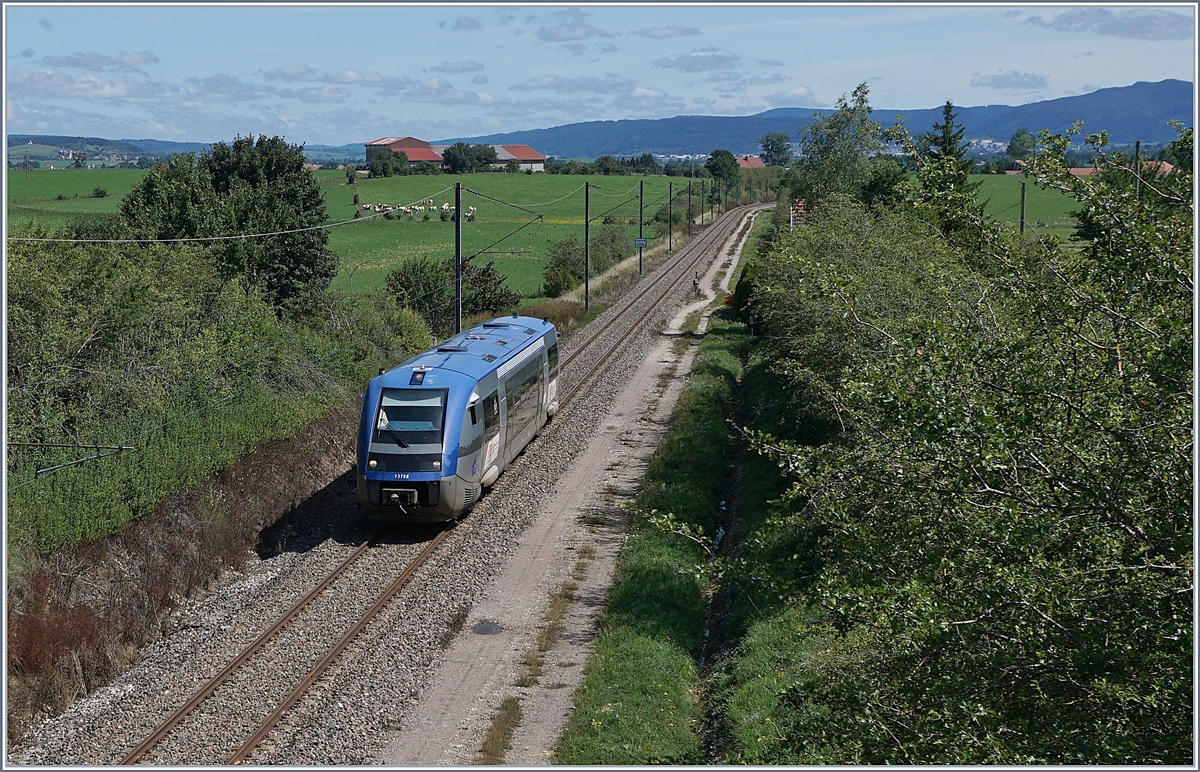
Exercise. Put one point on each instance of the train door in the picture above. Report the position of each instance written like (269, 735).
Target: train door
(491, 436)
(470, 440)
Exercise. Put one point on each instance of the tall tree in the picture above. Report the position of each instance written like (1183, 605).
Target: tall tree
(840, 154)
(1021, 145)
(457, 158)
(946, 146)
(776, 149)
(253, 186)
(723, 165)
(388, 163)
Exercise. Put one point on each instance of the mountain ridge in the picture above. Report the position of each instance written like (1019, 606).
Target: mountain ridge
(1136, 112)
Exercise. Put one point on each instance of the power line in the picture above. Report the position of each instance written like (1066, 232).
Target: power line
(235, 237)
(555, 201)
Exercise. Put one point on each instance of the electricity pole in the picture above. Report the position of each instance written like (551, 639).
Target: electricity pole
(1022, 207)
(587, 247)
(1137, 169)
(689, 212)
(457, 258)
(670, 215)
(641, 218)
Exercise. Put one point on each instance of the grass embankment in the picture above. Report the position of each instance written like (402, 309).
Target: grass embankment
(640, 701)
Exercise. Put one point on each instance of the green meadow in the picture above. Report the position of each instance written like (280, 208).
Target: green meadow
(1047, 212)
(517, 216)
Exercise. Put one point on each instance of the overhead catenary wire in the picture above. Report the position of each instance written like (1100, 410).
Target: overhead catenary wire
(228, 237)
(555, 201)
(46, 472)
(505, 236)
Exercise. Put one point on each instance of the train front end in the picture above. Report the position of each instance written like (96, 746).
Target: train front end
(407, 460)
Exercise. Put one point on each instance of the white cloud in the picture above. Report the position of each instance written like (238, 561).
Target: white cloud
(302, 73)
(49, 84)
(466, 23)
(455, 68)
(1011, 81)
(227, 88)
(1140, 23)
(444, 92)
(571, 26)
(314, 94)
(701, 60)
(667, 32)
(609, 84)
(798, 96)
(97, 62)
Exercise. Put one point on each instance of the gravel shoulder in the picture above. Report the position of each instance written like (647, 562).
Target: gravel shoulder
(481, 667)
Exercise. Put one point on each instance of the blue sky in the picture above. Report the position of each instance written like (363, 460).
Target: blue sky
(339, 74)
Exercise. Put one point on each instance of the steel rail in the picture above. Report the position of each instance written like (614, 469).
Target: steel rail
(220, 678)
(719, 230)
(693, 252)
(269, 723)
(718, 237)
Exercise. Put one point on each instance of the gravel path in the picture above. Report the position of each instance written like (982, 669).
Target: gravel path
(353, 713)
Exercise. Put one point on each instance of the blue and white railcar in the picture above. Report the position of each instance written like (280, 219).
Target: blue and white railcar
(443, 425)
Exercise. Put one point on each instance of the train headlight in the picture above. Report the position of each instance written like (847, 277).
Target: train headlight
(372, 463)
(437, 465)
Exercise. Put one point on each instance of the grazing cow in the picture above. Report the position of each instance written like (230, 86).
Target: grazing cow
(446, 207)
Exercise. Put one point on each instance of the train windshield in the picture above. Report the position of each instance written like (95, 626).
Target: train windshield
(411, 416)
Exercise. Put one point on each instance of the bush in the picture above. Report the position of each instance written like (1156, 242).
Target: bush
(99, 192)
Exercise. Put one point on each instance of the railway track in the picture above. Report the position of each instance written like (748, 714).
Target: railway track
(589, 354)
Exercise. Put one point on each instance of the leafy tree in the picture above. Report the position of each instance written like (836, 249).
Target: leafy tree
(722, 165)
(564, 270)
(995, 479)
(461, 158)
(145, 162)
(1021, 145)
(645, 164)
(78, 159)
(776, 149)
(252, 186)
(388, 163)
(512, 166)
(426, 285)
(458, 158)
(482, 158)
(841, 154)
(606, 164)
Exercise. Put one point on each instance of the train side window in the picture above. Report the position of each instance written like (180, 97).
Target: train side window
(491, 411)
(552, 354)
(474, 416)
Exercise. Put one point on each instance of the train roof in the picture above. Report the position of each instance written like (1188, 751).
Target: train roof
(474, 352)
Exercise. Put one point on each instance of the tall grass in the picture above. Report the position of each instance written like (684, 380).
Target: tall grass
(640, 702)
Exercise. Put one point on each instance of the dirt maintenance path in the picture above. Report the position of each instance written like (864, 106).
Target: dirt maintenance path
(574, 539)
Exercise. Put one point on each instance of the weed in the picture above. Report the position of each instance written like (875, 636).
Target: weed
(499, 736)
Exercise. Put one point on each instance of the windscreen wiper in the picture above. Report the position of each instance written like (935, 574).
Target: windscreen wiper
(396, 437)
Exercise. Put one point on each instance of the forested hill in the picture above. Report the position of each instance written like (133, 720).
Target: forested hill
(1127, 113)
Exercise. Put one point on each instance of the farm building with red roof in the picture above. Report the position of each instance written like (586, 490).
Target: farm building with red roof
(419, 150)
